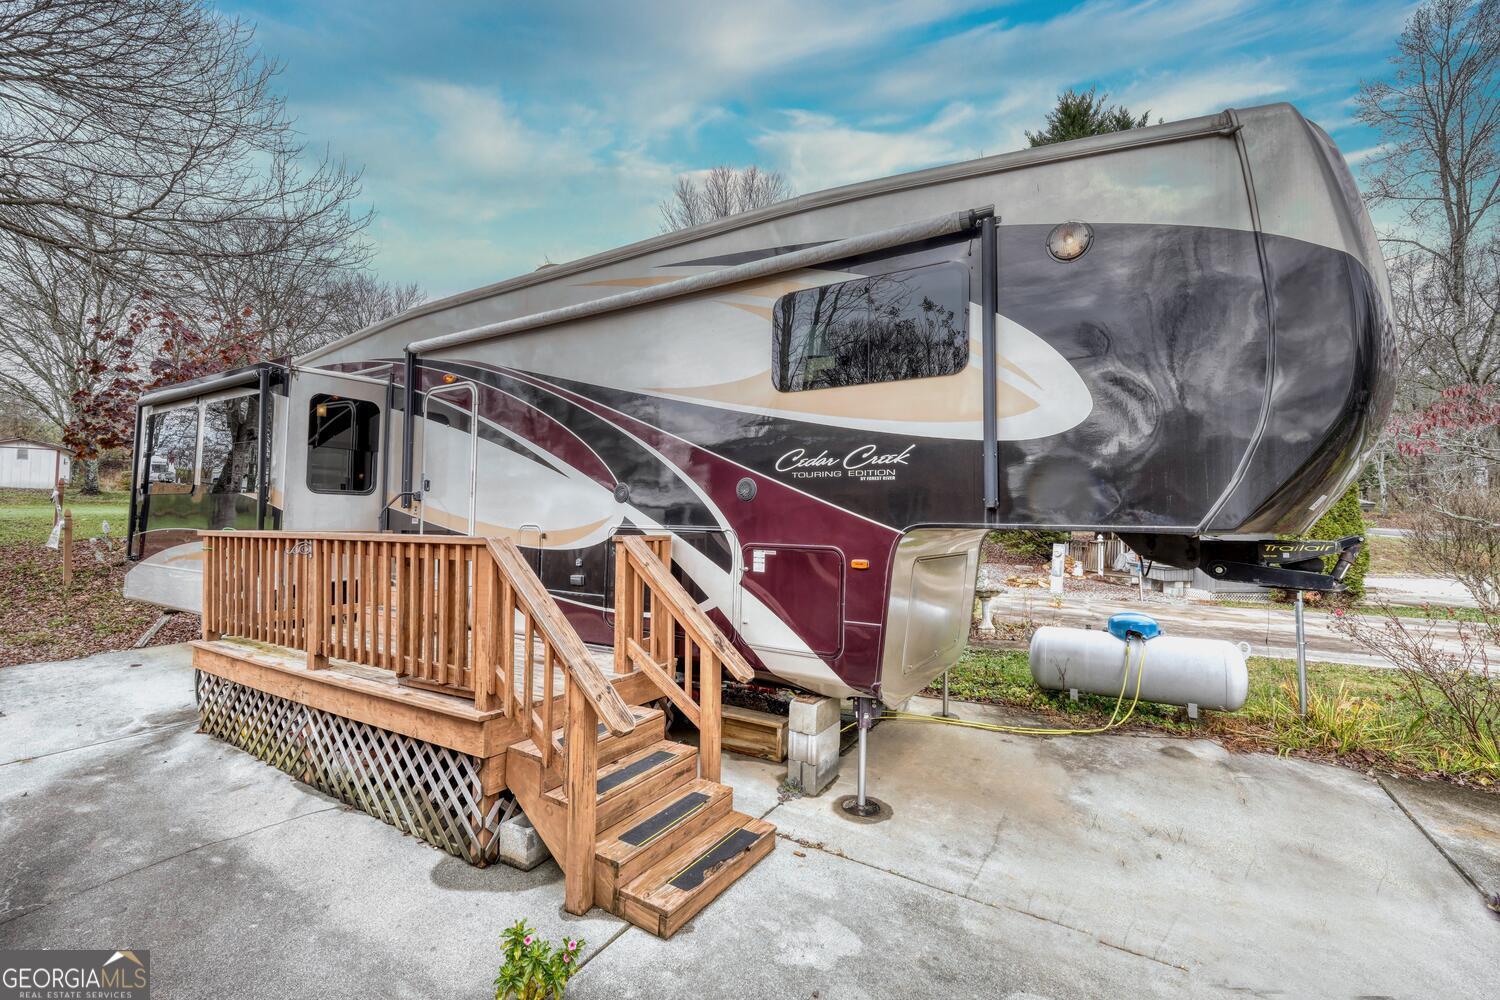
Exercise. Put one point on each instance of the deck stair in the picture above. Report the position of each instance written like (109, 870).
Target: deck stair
(664, 838)
(666, 841)
(452, 644)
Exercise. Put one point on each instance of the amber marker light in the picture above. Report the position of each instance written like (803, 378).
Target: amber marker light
(1069, 240)
(449, 379)
(859, 564)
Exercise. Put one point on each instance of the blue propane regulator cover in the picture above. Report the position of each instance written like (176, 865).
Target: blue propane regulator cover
(1127, 623)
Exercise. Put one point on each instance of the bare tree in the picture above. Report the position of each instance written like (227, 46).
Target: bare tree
(362, 300)
(1456, 533)
(51, 306)
(1439, 167)
(722, 192)
(140, 128)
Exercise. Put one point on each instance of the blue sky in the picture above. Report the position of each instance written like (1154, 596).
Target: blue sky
(495, 137)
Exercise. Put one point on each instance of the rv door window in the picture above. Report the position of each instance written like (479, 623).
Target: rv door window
(343, 436)
(887, 327)
(231, 431)
(173, 446)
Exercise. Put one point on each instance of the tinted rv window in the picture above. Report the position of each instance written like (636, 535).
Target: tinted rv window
(231, 431)
(884, 328)
(343, 436)
(173, 446)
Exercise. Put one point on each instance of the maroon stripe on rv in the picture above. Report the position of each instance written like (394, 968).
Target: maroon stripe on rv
(514, 415)
(777, 515)
(509, 413)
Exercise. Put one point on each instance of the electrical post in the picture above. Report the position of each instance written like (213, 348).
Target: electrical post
(67, 549)
(1301, 660)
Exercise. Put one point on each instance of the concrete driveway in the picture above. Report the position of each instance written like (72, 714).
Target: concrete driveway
(1013, 866)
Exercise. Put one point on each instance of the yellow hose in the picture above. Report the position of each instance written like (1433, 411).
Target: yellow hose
(1115, 721)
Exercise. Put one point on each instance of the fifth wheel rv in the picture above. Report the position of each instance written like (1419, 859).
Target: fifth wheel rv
(1178, 333)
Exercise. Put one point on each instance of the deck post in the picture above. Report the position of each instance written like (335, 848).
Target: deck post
(485, 661)
(581, 782)
(710, 731)
(317, 608)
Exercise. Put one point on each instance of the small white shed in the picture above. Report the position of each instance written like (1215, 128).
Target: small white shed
(33, 465)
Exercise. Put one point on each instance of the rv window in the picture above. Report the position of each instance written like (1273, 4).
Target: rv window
(231, 432)
(343, 436)
(884, 328)
(172, 444)
(22, 455)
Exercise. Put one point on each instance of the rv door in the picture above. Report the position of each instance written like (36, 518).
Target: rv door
(450, 455)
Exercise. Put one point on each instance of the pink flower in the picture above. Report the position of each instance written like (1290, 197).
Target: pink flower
(567, 959)
(572, 945)
(528, 939)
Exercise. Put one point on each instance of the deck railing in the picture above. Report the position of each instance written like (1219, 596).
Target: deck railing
(468, 616)
(655, 618)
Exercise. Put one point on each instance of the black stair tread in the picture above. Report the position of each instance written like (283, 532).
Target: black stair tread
(643, 716)
(633, 768)
(699, 865)
(671, 812)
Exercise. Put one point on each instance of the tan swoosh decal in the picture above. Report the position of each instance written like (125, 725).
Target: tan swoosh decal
(926, 400)
(764, 312)
(551, 537)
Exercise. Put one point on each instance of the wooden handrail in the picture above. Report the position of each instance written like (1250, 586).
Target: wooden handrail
(562, 639)
(665, 588)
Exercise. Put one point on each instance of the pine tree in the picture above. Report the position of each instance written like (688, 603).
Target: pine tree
(1084, 113)
(1346, 518)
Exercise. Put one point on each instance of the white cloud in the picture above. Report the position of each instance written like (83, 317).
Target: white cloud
(816, 151)
(1173, 96)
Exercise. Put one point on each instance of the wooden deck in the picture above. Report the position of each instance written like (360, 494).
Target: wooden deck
(379, 698)
(419, 677)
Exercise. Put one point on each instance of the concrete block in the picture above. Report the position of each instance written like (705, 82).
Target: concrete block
(520, 846)
(812, 714)
(812, 777)
(819, 749)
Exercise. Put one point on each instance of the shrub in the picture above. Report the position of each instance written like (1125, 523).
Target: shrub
(533, 969)
(1447, 676)
(1345, 518)
(1029, 544)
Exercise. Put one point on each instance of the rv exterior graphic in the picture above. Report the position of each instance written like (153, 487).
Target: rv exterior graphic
(1179, 333)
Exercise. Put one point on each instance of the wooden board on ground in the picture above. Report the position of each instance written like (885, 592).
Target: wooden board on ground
(754, 733)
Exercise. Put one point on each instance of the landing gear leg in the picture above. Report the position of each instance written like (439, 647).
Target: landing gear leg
(861, 806)
(945, 713)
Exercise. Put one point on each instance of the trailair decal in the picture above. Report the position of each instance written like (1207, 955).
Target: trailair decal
(866, 462)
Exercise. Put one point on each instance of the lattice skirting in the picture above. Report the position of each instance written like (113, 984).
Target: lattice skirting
(421, 788)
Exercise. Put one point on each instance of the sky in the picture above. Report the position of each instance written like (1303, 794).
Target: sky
(495, 137)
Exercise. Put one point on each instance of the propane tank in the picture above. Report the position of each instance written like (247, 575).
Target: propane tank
(1199, 673)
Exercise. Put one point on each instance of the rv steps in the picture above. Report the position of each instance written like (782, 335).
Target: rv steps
(667, 842)
(668, 894)
(636, 780)
(648, 730)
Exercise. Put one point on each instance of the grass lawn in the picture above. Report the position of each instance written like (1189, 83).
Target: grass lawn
(42, 621)
(1393, 557)
(1356, 716)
